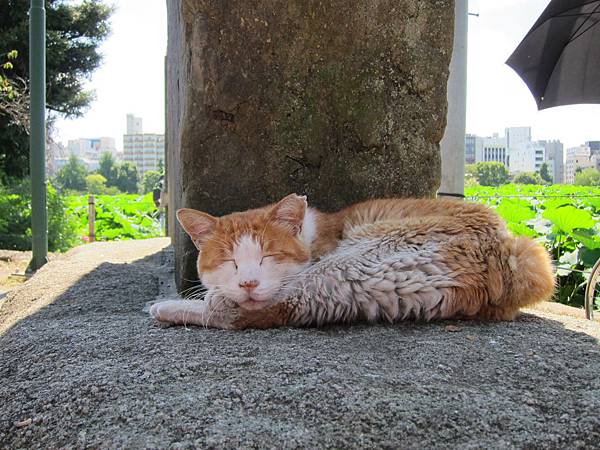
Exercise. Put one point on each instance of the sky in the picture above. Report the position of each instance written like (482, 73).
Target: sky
(496, 97)
(131, 79)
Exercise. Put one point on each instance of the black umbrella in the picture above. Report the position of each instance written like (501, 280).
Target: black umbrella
(559, 59)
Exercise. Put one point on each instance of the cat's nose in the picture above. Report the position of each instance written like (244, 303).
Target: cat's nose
(249, 284)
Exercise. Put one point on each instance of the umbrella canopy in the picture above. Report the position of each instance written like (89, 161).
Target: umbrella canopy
(559, 59)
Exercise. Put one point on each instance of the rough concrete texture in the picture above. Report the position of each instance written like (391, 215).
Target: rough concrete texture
(338, 100)
(82, 366)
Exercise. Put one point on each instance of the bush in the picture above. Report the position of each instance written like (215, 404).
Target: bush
(588, 177)
(528, 178)
(15, 219)
(96, 184)
(491, 174)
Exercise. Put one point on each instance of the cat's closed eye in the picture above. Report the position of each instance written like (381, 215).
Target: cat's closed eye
(233, 261)
(267, 256)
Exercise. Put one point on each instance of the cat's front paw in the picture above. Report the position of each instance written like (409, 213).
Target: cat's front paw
(178, 312)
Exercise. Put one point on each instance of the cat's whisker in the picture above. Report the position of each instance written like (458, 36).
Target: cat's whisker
(192, 289)
(213, 310)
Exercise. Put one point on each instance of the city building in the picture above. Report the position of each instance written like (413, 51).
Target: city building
(145, 150)
(134, 124)
(555, 155)
(517, 136)
(492, 149)
(578, 157)
(91, 148)
(518, 152)
(471, 143)
(87, 150)
(594, 147)
(526, 157)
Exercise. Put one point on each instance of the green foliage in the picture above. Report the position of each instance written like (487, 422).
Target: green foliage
(491, 174)
(564, 218)
(75, 31)
(528, 178)
(72, 175)
(15, 219)
(587, 177)
(96, 184)
(150, 180)
(545, 173)
(117, 216)
(107, 167)
(14, 120)
(7, 89)
(127, 178)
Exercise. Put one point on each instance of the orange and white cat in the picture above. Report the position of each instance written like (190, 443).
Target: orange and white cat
(379, 260)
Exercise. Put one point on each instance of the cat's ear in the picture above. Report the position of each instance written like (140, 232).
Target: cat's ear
(197, 224)
(289, 213)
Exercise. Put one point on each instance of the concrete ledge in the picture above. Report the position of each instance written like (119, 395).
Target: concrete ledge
(83, 366)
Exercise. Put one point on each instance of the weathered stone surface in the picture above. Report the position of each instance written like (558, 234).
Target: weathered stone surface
(83, 367)
(338, 100)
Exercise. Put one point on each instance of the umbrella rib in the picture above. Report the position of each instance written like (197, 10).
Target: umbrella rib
(577, 15)
(561, 14)
(570, 41)
(576, 34)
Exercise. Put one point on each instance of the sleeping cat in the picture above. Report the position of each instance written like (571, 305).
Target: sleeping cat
(388, 259)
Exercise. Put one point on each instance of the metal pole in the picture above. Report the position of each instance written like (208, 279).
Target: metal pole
(37, 155)
(165, 192)
(452, 145)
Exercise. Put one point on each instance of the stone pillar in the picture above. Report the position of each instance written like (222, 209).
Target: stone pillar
(338, 100)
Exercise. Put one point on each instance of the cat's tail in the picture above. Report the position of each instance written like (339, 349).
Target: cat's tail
(531, 272)
(522, 278)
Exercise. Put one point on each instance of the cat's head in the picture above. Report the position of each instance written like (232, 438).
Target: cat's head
(248, 256)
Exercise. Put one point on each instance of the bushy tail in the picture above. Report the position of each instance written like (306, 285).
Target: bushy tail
(533, 278)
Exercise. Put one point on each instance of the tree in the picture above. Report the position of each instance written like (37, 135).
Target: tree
(107, 167)
(491, 173)
(127, 178)
(545, 173)
(149, 181)
(588, 177)
(74, 33)
(528, 178)
(72, 175)
(14, 94)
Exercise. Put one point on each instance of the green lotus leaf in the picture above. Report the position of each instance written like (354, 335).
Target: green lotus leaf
(567, 218)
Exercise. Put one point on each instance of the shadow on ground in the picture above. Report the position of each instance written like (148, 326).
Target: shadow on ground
(86, 367)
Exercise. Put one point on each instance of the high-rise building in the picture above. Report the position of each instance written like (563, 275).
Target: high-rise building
(517, 136)
(555, 159)
(145, 150)
(578, 157)
(134, 124)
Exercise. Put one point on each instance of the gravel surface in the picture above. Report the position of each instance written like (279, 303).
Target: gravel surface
(83, 366)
